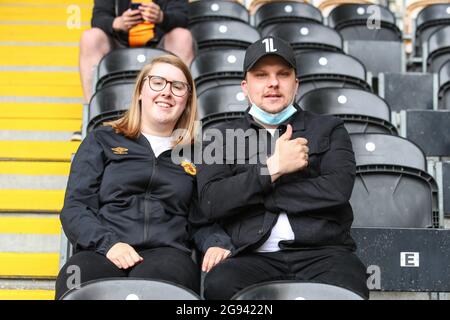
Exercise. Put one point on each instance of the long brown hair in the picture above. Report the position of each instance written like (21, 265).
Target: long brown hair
(130, 123)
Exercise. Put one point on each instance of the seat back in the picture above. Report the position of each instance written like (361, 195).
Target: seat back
(321, 69)
(306, 36)
(392, 188)
(223, 34)
(444, 86)
(357, 22)
(217, 66)
(295, 290)
(123, 65)
(361, 111)
(109, 103)
(283, 11)
(217, 10)
(382, 149)
(221, 103)
(438, 49)
(428, 20)
(130, 289)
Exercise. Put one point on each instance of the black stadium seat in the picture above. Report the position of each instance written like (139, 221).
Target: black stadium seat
(222, 34)
(129, 289)
(370, 34)
(109, 103)
(272, 13)
(295, 290)
(329, 69)
(221, 103)
(123, 65)
(444, 86)
(392, 187)
(428, 20)
(356, 22)
(217, 10)
(214, 67)
(362, 111)
(438, 49)
(307, 36)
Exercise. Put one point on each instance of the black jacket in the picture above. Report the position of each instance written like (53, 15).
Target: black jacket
(105, 11)
(246, 203)
(126, 195)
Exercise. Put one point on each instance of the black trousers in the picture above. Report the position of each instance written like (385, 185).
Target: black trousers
(335, 266)
(166, 263)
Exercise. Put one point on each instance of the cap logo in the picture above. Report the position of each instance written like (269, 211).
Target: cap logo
(269, 45)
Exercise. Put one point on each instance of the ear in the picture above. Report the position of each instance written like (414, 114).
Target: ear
(244, 87)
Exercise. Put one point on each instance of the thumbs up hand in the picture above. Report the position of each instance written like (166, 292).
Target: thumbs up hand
(289, 156)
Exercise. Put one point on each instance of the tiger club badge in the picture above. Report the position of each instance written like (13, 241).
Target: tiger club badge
(189, 167)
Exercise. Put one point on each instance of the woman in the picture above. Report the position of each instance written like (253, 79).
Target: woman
(127, 204)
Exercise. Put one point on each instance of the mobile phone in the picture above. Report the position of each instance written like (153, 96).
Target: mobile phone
(134, 6)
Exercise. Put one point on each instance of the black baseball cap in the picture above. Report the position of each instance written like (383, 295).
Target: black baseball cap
(267, 46)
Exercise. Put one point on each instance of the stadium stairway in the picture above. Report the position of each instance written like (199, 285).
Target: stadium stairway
(40, 107)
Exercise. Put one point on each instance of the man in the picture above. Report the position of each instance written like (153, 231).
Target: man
(118, 24)
(288, 217)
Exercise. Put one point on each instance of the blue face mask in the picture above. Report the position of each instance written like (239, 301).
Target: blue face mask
(272, 118)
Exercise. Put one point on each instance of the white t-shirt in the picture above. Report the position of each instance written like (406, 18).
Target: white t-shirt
(159, 144)
(282, 229)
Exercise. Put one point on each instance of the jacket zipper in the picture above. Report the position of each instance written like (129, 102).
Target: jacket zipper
(147, 200)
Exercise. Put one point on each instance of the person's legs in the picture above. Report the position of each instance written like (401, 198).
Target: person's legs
(94, 45)
(85, 266)
(180, 42)
(168, 264)
(236, 273)
(338, 267)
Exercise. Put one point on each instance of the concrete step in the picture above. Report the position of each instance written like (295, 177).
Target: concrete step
(13, 135)
(38, 150)
(66, 56)
(33, 182)
(29, 110)
(35, 201)
(28, 289)
(29, 243)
